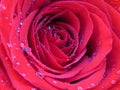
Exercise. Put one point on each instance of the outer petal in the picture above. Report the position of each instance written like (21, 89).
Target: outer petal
(15, 79)
(5, 83)
(6, 15)
(112, 74)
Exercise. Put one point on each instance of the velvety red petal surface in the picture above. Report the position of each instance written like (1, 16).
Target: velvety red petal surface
(33, 49)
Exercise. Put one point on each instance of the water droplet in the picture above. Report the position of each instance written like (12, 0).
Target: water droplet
(92, 84)
(94, 54)
(10, 24)
(28, 64)
(49, 28)
(31, 62)
(81, 41)
(118, 72)
(20, 13)
(13, 57)
(14, 15)
(23, 74)
(68, 59)
(17, 48)
(21, 22)
(80, 88)
(34, 89)
(22, 45)
(42, 45)
(113, 81)
(18, 63)
(54, 82)
(2, 7)
(9, 45)
(25, 51)
(39, 74)
(18, 29)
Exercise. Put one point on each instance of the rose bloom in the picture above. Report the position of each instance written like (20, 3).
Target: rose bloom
(59, 45)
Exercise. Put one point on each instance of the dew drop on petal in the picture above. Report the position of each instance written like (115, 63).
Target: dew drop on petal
(29, 49)
(31, 62)
(2, 7)
(118, 72)
(113, 81)
(38, 73)
(25, 51)
(92, 84)
(79, 88)
(20, 13)
(22, 45)
(68, 59)
(21, 22)
(54, 82)
(13, 57)
(10, 24)
(18, 63)
(49, 28)
(42, 45)
(17, 48)
(23, 74)
(18, 29)
(34, 89)
(9, 45)
(94, 54)
(14, 15)
(28, 64)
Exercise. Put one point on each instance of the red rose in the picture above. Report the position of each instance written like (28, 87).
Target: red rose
(59, 45)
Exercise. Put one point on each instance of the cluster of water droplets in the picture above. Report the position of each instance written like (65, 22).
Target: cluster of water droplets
(19, 27)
